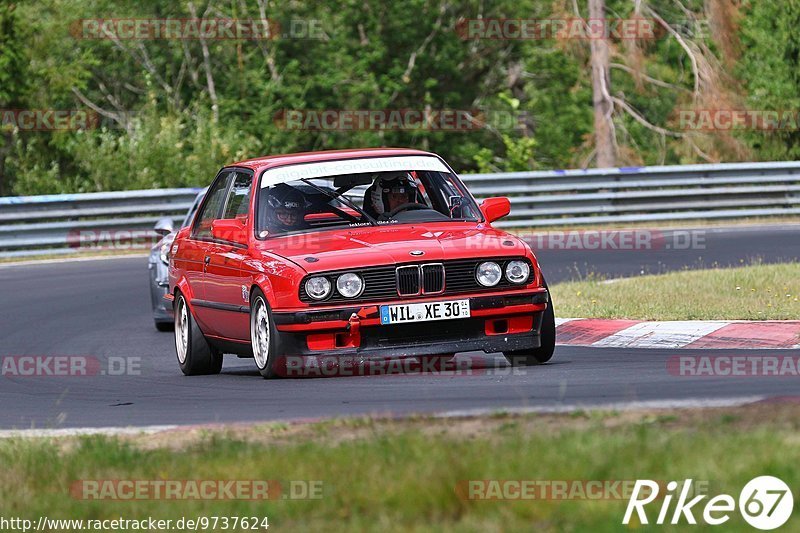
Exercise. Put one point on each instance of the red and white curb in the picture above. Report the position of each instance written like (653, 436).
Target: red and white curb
(694, 334)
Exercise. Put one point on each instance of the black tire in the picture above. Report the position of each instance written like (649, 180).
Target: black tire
(544, 352)
(199, 357)
(266, 363)
(164, 326)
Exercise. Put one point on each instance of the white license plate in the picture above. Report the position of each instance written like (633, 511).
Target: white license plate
(424, 312)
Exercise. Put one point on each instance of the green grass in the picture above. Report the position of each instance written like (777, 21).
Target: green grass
(759, 292)
(401, 475)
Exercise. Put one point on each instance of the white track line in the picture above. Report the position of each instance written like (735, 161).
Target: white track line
(687, 403)
(67, 259)
(74, 432)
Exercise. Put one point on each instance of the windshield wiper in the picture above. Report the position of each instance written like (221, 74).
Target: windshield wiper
(342, 198)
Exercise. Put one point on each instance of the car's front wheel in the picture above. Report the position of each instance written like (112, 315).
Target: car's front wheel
(195, 356)
(544, 352)
(262, 335)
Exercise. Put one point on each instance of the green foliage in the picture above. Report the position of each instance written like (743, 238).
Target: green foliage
(770, 71)
(162, 125)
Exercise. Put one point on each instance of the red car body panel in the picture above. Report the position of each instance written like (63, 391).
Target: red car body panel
(218, 277)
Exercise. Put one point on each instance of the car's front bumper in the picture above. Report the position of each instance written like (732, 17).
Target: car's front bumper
(159, 286)
(498, 323)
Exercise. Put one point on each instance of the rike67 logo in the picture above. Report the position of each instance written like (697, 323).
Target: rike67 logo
(765, 503)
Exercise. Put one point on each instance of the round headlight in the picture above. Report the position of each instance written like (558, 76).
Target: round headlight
(318, 287)
(349, 285)
(488, 274)
(517, 271)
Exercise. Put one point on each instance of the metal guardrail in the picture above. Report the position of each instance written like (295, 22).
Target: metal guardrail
(644, 194)
(60, 223)
(68, 223)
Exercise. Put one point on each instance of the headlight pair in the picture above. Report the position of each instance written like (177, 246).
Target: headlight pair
(489, 273)
(349, 285)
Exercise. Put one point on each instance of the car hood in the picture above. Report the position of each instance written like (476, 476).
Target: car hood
(374, 246)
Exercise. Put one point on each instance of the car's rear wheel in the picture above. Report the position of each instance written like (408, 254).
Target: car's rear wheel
(195, 356)
(262, 335)
(544, 352)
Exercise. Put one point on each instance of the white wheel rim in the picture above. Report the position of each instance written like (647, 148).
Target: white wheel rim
(182, 330)
(259, 332)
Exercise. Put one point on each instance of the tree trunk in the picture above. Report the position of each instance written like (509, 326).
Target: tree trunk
(5, 149)
(601, 92)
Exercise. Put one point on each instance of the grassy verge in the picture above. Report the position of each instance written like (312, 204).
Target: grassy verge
(759, 292)
(390, 475)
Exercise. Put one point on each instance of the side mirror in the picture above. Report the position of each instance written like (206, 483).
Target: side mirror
(164, 226)
(231, 230)
(495, 208)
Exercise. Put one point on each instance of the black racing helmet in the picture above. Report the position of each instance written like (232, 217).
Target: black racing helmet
(287, 208)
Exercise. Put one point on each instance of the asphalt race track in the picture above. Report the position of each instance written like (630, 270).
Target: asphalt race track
(663, 251)
(100, 309)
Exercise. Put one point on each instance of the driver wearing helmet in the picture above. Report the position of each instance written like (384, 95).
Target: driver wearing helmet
(389, 191)
(287, 209)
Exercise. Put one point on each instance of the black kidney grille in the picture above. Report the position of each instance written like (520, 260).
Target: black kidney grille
(387, 282)
(432, 278)
(408, 280)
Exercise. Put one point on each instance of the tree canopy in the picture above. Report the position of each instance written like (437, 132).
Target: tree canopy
(171, 111)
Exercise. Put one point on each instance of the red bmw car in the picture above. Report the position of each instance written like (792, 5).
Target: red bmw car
(366, 254)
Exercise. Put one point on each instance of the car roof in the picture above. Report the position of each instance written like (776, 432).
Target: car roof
(259, 164)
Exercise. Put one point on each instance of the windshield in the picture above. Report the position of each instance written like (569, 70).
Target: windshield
(363, 199)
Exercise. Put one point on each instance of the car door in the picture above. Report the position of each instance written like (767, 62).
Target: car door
(227, 288)
(197, 248)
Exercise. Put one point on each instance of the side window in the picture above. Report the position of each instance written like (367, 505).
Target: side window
(210, 211)
(238, 202)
